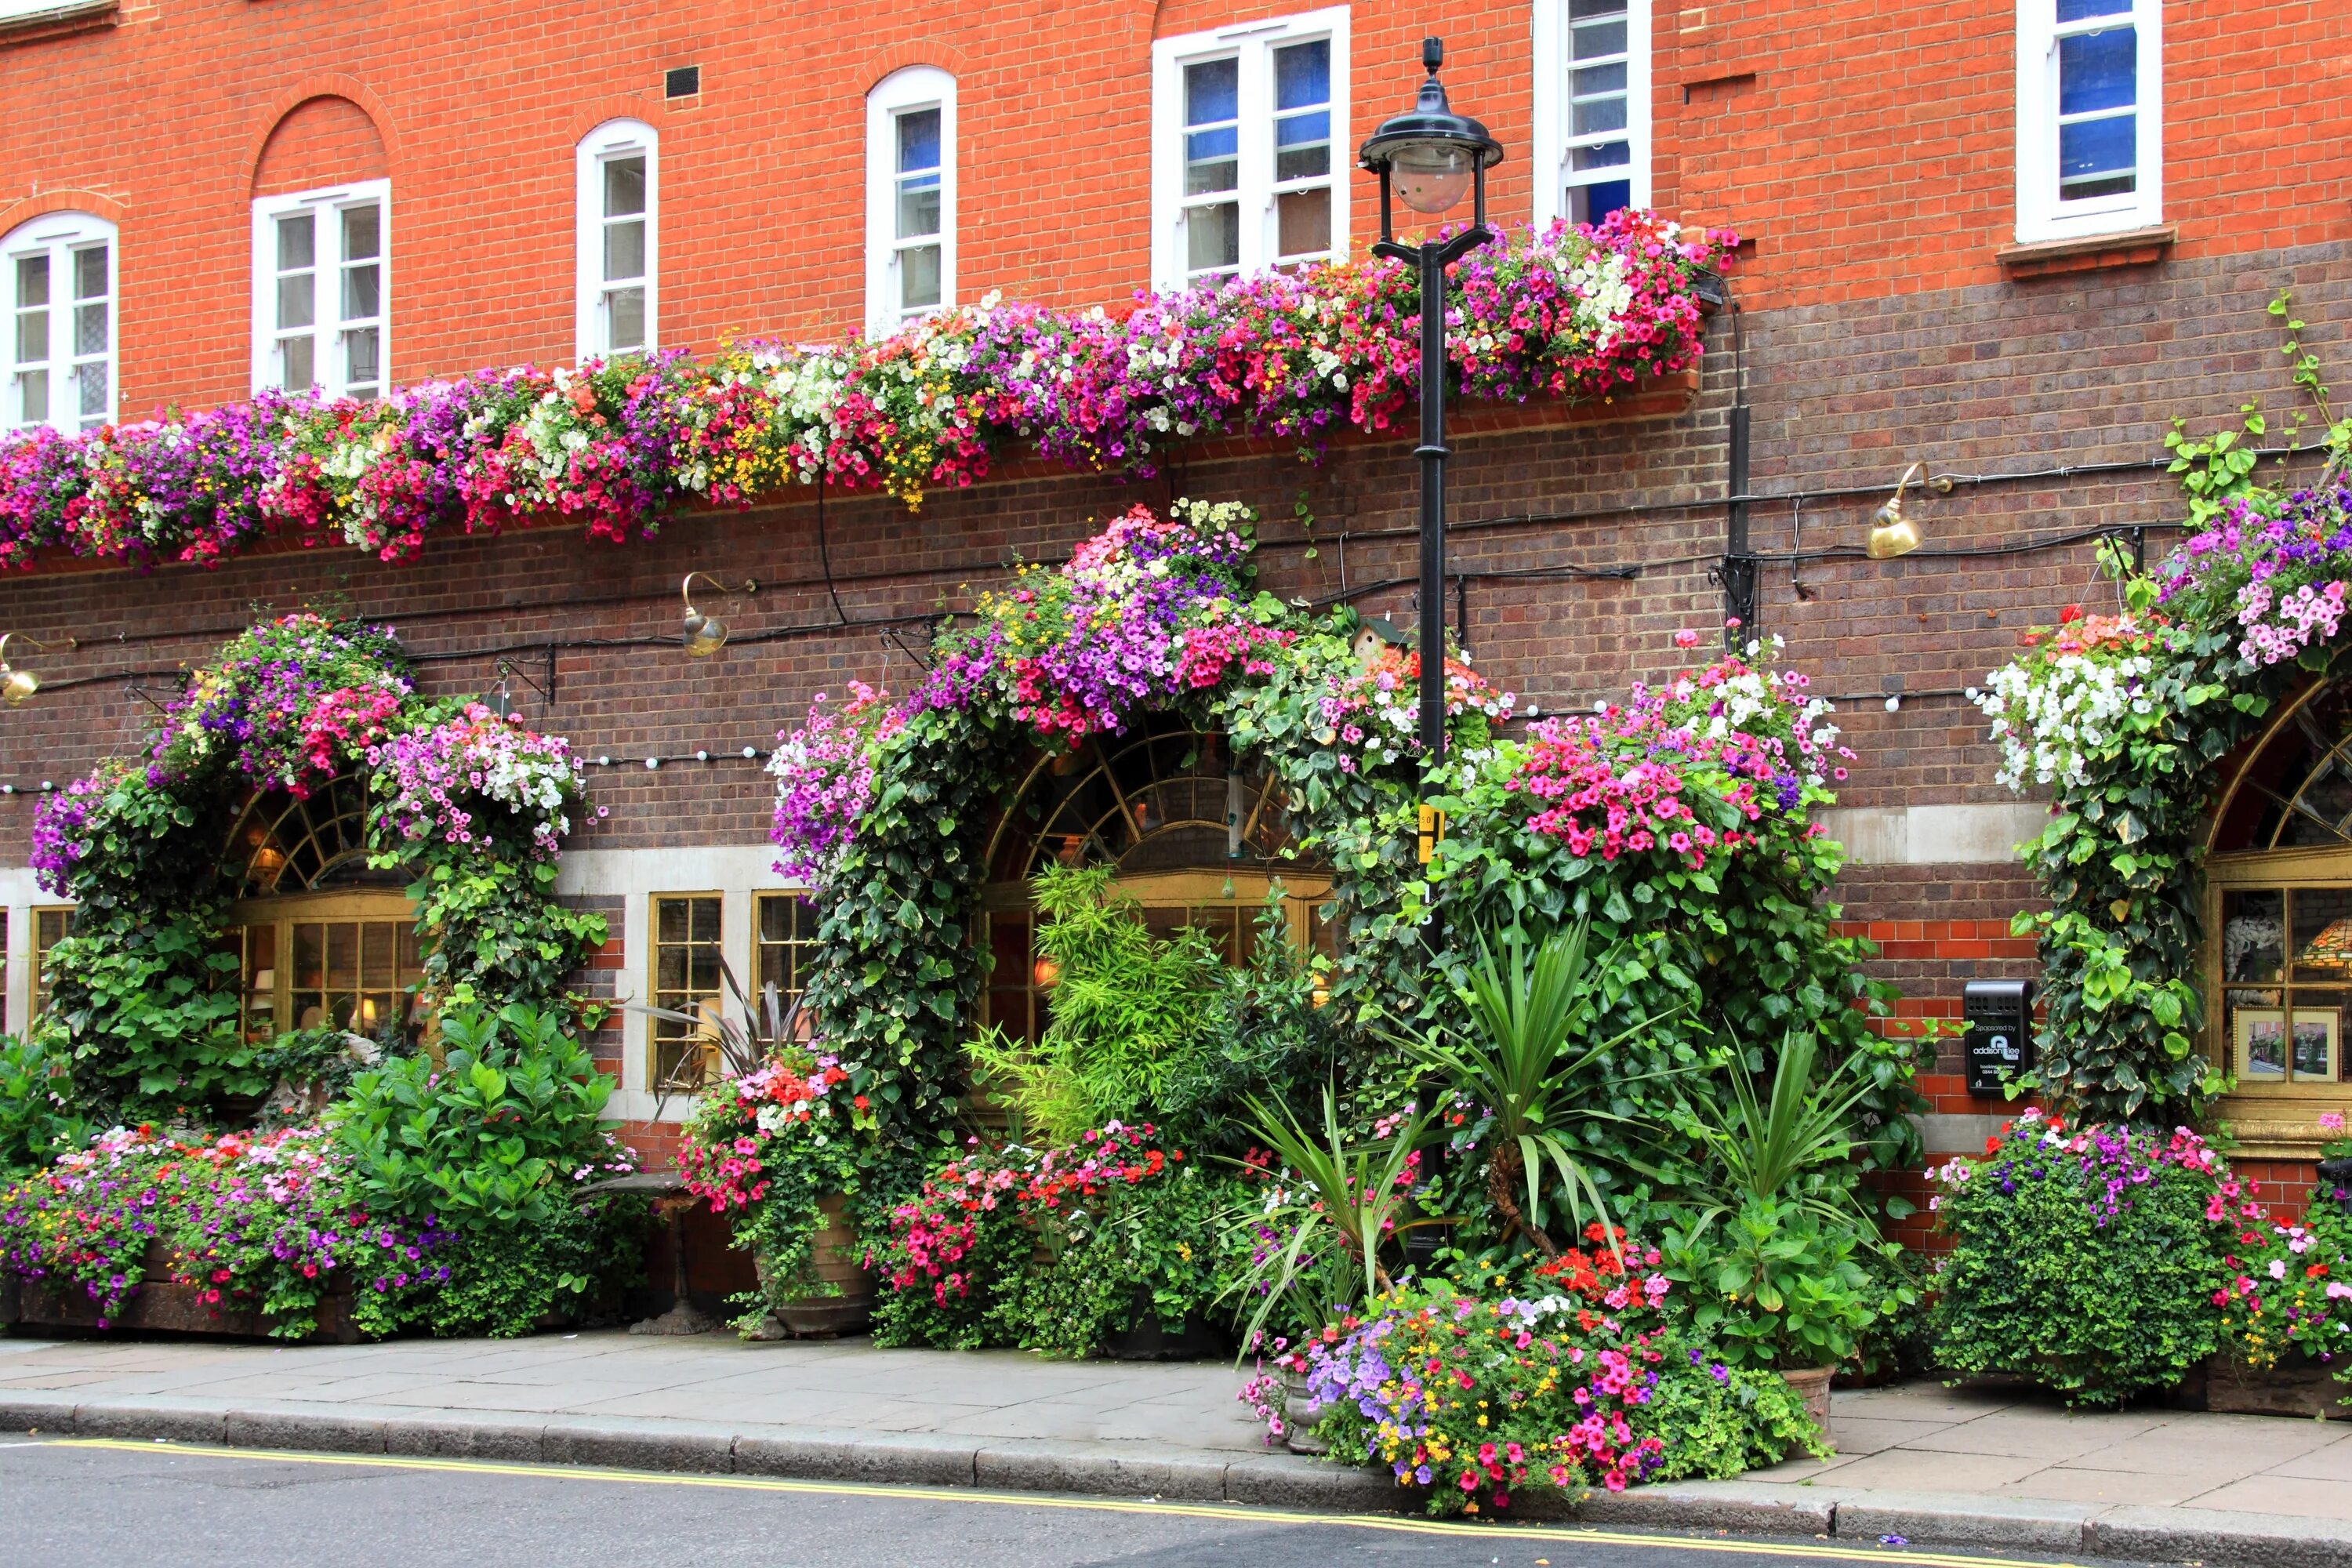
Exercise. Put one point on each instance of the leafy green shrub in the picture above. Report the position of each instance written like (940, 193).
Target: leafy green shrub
(491, 1145)
(39, 1119)
(2086, 1261)
(1717, 1419)
(1775, 1284)
(1129, 1009)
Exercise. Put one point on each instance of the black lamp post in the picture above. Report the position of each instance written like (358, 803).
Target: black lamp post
(1429, 157)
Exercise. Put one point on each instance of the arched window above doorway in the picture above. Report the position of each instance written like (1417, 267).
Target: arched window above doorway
(2279, 922)
(1197, 840)
(324, 940)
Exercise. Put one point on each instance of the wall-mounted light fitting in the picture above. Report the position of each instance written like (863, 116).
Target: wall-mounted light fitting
(1892, 533)
(706, 635)
(17, 685)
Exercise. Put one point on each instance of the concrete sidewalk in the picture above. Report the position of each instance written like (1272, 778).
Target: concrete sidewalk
(1974, 1467)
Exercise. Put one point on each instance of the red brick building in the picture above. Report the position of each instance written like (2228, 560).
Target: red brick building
(2009, 239)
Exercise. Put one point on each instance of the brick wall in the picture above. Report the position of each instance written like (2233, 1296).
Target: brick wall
(1869, 151)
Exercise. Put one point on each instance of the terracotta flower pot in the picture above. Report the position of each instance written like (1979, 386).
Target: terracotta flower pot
(1811, 1385)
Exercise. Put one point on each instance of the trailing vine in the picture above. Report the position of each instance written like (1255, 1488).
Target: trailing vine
(2126, 717)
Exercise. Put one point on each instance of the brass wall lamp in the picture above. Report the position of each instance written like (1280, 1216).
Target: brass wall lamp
(1892, 533)
(706, 635)
(17, 684)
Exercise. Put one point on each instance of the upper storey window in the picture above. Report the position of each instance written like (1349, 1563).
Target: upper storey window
(910, 196)
(1246, 153)
(2090, 118)
(56, 298)
(618, 242)
(321, 290)
(1592, 108)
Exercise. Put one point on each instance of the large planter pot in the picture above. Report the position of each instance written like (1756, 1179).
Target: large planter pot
(2295, 1386)
(847, 1304)
(1297, 1421)
(1811, 1385)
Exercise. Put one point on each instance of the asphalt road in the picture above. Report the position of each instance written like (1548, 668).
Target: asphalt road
(66, 1503)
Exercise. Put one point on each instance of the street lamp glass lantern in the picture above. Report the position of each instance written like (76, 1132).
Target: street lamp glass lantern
(1429, 157)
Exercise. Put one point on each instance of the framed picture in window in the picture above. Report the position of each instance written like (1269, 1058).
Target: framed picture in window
(2260, 1038)
(2315, 1045)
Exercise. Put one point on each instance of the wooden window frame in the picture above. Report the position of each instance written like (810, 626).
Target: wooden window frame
(2270, 1120)
(654, 945)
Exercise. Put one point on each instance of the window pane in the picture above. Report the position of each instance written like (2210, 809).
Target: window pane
(1604, 156)
(919, 208)
(1578, 10)
(362, 361)
(33, 395)
(295, 360)
(89, 272)
(1592, 80)
(90, 329)
(1591, 204)
(2253, 937)
(2314, 1035)
(1597, 116)
(295, 300)
(297, 241)
(625, 250)
(310, 957)
(2095, 157)
(1212, 92)
(1303, 162)
(32, 336)
(2322, 933)
(670, 917)
(624, 186)
(1597, 40)
(2084, 10)
(32, 281)
(1303, 221)
(91, 381)
(918, 277)
(1210, 162)
(376, 939)
(1302, 75)
(625, 316)
(363, 293)
(1212, 237)
(776, 919)
(343, 955)
(705, 919)
(362, 233)
(918, 141)
(2097, 70)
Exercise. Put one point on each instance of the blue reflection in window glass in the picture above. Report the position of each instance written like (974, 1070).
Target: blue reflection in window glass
(2084, 10)
(2097, 147)
(1212, 91)
(1302, 75)
(2098, 71)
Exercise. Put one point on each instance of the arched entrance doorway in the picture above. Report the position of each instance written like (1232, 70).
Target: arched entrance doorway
(322, 940)
(1197, 840)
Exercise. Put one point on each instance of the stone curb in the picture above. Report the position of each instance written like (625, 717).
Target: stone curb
(2214, 1537)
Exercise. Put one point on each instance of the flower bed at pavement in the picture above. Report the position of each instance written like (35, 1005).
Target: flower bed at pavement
(1054, 1249)
(1583, 1377)
(614, 446)
(266, 1223)
(2105, 1261)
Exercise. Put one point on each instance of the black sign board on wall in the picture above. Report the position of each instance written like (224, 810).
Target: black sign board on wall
(2000, 1032)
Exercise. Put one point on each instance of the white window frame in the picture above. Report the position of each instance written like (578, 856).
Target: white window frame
(614, 138)
(327, 359)
(1253, 43)
(1553, 129)
(909, 89)
(63, 237)
(2041, 216)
